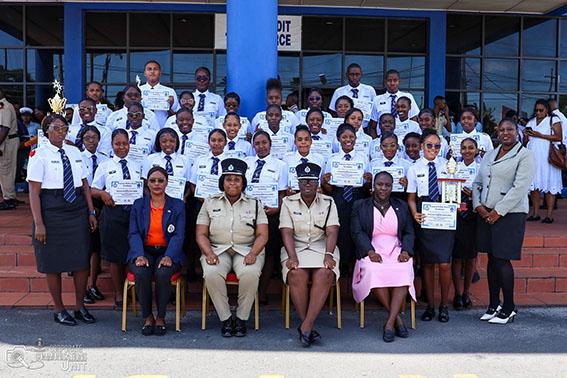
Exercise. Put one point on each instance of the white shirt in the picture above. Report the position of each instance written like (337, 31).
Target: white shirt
(102, 113)
(485, 142)
(289, 121)
(104, 144)
(244, 126)
(281, 138)
(355, 156)
(203, 165)
(362, 145)
(88, 161)
(273, 171)
(365, 93)
(418, 175)
(396, 162)
(302, 116)
(383, 104)
(293, 159)
(404, 127)
(46, 166)
(118, 120)
(111, 170)
(185, 138)
(563, 120)
(161, 115)
(242, 148)
(213, 103)
(145, 138)
(181, 166)
(468, 172)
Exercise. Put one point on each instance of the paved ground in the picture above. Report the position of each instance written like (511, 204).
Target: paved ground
(534, 346)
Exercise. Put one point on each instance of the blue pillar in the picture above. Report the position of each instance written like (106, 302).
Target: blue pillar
(252, 51)
(435, 82)
(73, 61)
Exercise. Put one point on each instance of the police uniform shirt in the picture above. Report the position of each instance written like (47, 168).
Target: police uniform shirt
(396, 161)
(8, 119)
(289, 122)
(418, 175)
(232, 226)
(383, 104)
(180, 164)
(102, 114)
(46, 166)
(88, 160)
(213, 103)
(308, 222)
(203, 165)
(244, 126)
(365, 93)
(274, 170)
(355, 157)
(104, 143)
(144, 138)
(111, 170)
(161, 115)
(118, 120)
(302, 116)
(362, 145)
(485, 143)
(242, 148)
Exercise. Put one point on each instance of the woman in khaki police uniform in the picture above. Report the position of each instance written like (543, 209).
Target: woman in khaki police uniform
(232, 231)
(309, 224)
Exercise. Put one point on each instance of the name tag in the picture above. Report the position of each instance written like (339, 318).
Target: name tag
(112, 172)
(216, 210)
(297, 213)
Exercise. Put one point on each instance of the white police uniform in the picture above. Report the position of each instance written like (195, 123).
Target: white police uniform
(362, 145)
(104, 144)
(293, 159)
(161, 115)
(102, 114)
(180, 164)
(363, 91)
(273, 171)
(185, 138)
(89, 162)
(238, 148)
(289, 121)
(485, 142)
(404, 127)
(279, 138)
(244, 126)
(203, 165)
(145, 138)
(383, 104)
(213, 103)
(355, 157)
(46, 166)
(396, 161)
(118, 120)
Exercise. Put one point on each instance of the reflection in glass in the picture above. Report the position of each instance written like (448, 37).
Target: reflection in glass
(138, 60)
(193, 30)
(45, 65)
(462, 73)
(527, 103)
(44, 25)
(563, 40)
(501, 36)
(11, 65)
(288, 70)
(411, 68)
(500, 74)
(371, 28)
(538, 75)
(14, 93)
(220, 76)
(11, 22)
(321, 70)
(106, 67)
(322, 33)
(105, 29)
(186, 62)
(38, 94)
(563, 76)
(110, 92)
(372, 68)
(539, 37)
(407, 36)
(419, 97)
(495, 106)
(463, 34)
(150, 29)
(457, 101)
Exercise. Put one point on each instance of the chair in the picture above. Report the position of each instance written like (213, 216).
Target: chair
(231, 280)
(334, 289)
(176, 280)
(412, 312)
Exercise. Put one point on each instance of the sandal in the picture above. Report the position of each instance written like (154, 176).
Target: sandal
(428, 315)
(547, 220)
(159, 330)
(304, 338)
(443, 314)
(531, 218)
(148, 330)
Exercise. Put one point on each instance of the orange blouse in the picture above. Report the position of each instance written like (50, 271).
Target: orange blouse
(155, 232)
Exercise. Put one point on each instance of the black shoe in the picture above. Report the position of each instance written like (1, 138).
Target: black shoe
(458, 302)
(64, 318)
(475, 277)
(531, 218)
(402, 331)
(8, 205)
(118, 305)
(388, 336)
(467, 303)
(87, 299)
(148, 330)
(548, 220)
(95, 293)
(239, 327)
(227, 329)
(306, 338)
(443, 314)
(428, 315)
(314, 336)
(159, 330)
(85, 316)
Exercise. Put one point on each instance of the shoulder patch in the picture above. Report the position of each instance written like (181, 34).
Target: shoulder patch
(32, 152)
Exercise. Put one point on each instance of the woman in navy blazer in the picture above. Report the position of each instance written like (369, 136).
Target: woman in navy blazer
(157, 231)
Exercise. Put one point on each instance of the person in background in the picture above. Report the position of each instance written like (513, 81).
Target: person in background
(69, 112)
(556, 112)
(237, 145)
(404, 124)
(232, 105)
(315, 100)
(119, 118)
(95, 92)
(87, 111)
(426, 119)
(412, 147)
(468, 121)
(458, 128)
(28, 140)
(206, 101)
(274, 97)
(302, 154)
(442, 118)
(8, 152)
(292, 102)
(354, 89)
(152, 72)
(342, 105)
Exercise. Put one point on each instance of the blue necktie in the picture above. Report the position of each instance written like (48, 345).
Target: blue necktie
(315, 137)
(201, 106)
(168, 165)
(354, 93)
(304, 160)
(125, 170)
(433, 184)
(257, 171)
(128, 123)
(347, 190)
(68, 183)
(393, 109)
(79, 139)
(388, 163)
(215, 166)
(231, 145)
(95, 164)
(133, 137)
(183, 140)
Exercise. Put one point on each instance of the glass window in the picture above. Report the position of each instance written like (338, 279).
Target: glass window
(407, 36)
(365, 34)
(105, 29)
(563, 103)
(539, 37)
(372, 68)
(111, 92)
(44, 25)
(45, 65)
(462, 73)
(11, 65)
(563, 76)
(411, 68)
(563, 37)
(500, 74)
(419, 97)
(288, 70)
(220, 75)
(527, 103)
(192, 30)
(14, 93)
(459, 100)
(138, 60)
(495, 106)
(150, 29)
(11, 23)
(463, 34)
(106, 66)
(186, 62)
(538, 75)
(501, 36)
(321, 70)
(322, 33)
(38, 94)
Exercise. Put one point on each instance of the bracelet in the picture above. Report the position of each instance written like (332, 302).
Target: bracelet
(93, 213)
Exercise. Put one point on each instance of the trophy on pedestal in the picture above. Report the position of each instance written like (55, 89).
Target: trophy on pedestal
(451, 186)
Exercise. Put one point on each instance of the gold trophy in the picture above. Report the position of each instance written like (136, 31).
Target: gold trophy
(451, 186)
(58, 102)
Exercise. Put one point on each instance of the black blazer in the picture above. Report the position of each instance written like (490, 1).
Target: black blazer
(362, 225)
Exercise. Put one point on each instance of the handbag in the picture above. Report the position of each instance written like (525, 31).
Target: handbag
(557, 153)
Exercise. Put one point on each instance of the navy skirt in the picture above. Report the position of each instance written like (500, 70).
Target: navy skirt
(504, 238)
(435, 246)
(114, 226)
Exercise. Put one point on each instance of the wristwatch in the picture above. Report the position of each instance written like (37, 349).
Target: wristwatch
(93, 213)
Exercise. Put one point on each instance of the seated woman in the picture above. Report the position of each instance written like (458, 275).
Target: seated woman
(383, 233)
(309, 223)
(232, 231)
(157, 229)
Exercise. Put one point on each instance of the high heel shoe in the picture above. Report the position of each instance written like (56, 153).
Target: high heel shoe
(305, 338)
(503, 318)
(491, 313)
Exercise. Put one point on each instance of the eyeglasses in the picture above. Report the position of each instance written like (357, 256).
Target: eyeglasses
(201, 78)
(135, 114)
(431, 146)
(156, 180)
(315, 98)
(57, 129)
(539, 110)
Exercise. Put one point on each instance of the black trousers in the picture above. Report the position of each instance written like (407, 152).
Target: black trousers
(144, 276)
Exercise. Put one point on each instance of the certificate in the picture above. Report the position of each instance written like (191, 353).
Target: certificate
(456, 139)
(362, 147)
(292, 179)
(365, 106)
(155, 99)
(267, 193)
(202, 128)
(331, 125)
(194, 149)
(467, 173)
(439, 216)
(347, 173)
(125, 192)
(175, 187)
(237, 154)
(207, 185)
(41, 139)
(280, 146)
(397, 173)
(322, 147)
(207, 117)
(138, 153)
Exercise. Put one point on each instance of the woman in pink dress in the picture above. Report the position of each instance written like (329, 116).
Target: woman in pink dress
(383, 232)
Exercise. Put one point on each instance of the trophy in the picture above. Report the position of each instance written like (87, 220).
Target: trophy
(451, 186)
(57, 103)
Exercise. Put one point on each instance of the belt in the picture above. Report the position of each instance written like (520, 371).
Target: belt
(59, 192)
(12, 136)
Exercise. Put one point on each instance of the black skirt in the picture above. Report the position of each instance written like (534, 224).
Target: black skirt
(504, 238)
(114, 226)
(68, 233)
(95, 236)
(465, 237)
(435, 246)
(346, 246)
(192, 209)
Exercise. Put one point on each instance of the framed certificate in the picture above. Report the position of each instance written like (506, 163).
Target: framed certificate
(202, 129)
(155, 99)
(292, 178)
(125, 192)
(397, 173)
(439, 216)
(267, 193)
(175, 187)
(456, 139)
(207, 185)
(41, 139)
(207, 117)
(347, 173)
